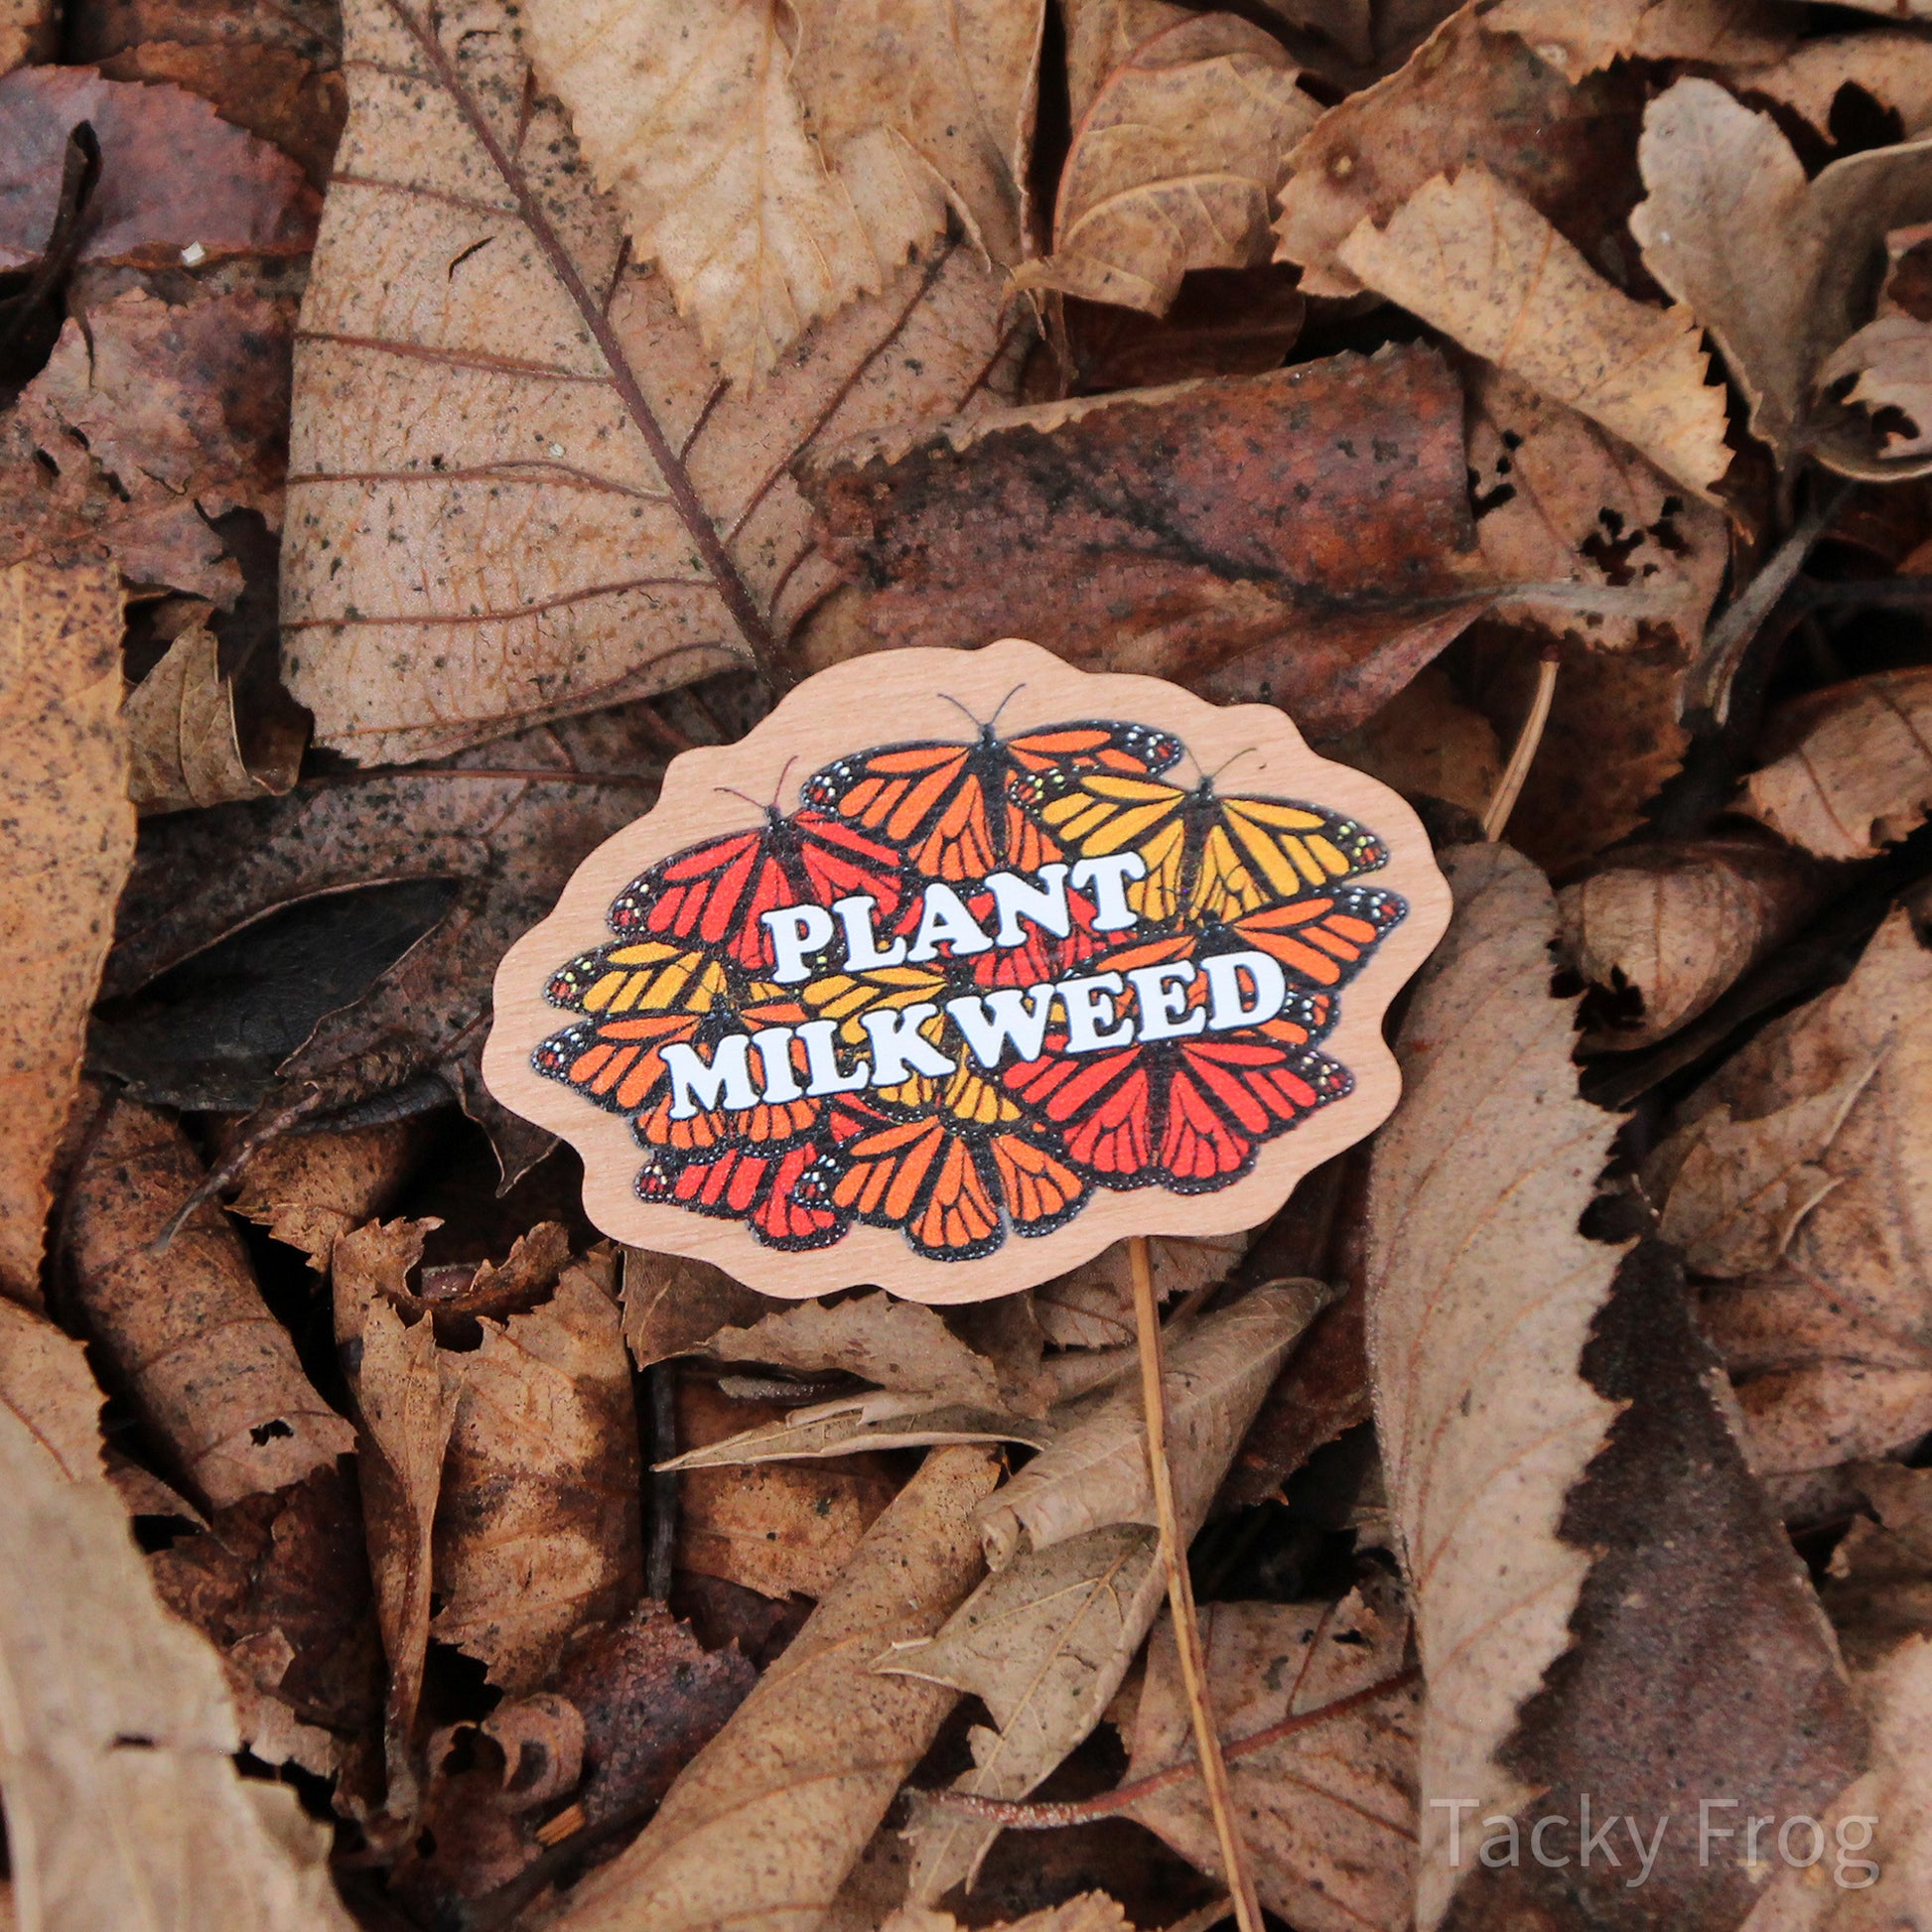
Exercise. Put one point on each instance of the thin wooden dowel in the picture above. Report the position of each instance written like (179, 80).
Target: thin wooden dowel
(1511, 786)
(1181, 1598)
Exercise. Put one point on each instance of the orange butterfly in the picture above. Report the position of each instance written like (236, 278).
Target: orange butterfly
(954, 810)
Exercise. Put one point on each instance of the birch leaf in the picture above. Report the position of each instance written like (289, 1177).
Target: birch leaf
(1581, 40)
(1479, 262)
(1093, 1306)
(64, 800)
(1174, 161)
(689, 116)
(766, 1819)
(1484, 1419)
(1858, 774)
(519, 485)
(953, 81)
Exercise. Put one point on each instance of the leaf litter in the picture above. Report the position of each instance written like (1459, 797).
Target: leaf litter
(417, 425)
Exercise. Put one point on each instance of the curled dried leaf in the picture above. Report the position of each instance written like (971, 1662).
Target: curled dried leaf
(1673, 925)
(212, 1373)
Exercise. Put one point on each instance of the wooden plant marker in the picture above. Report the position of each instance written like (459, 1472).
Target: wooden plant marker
(957, 969)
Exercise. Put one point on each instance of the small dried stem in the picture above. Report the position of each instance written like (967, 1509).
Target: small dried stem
(1510, 787)
(1047, 1815)
(1181, 1598)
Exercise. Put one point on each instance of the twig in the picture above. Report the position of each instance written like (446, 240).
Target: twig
(661, 1380)
(1206, 1916)
(227, 1170)
(1708, 686)
(1510, 787)
(1049, 1817)
(1181, 1598)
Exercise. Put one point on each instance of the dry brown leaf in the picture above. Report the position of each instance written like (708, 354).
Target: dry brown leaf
(1477, 261)
(184, 746)
(898, 1345)
(1044, 1645)
(307, 1188)
(1740, 1189)
(953, 83)
(280, 1585)
(185, 1331)
(1483, 1416)
(1728, 194)
(46, 1384)
(173, 173)
(1910, 9)
(1855, 770)
(1893, 68)
(1096, 1474)
(1093, 1306)
(406, 1393)
(1328, 1814)
(766, 1819)
(145, 426)
(69, 838)
(672, 1305)
(1671, 927)
(773, 1529)
(1581, 39)
(25, 32)
(1557, 498)
(584, 510)
(1892, 360)
(1091, 1911)
(690, 119)
(1832, 1353)
(1176, 157)
(846, 1424)
(1466, 97)
(124, 1807)
(539, 1528)
(1304, 534)
(274, 71)
(1047, 1639)
(1427, 743)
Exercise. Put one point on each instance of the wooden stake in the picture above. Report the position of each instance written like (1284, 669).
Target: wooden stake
(1511, 786)
(1181, 1598)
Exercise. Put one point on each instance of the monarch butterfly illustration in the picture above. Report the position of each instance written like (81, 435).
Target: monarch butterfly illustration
(1187, 1112)
(715, 894)
(763, 1188)
(954, 1188)
(1208, 856)
(954, 809)
(1324, 939)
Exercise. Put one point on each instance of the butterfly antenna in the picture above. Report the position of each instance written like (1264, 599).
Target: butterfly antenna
(1247, 750)
(777, 791)
(733, 792)
(977, 724)
(1004, 702)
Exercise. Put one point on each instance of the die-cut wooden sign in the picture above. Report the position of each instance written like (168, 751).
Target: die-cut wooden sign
(963, 965)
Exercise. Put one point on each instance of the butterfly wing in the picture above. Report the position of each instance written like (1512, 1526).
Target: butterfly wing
(715, 894)
(771, 1192)
(1326, 938)
(1256, 852)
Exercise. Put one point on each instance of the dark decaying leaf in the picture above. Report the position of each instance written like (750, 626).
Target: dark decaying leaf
(173, 173)
(1303, 537)
(508, 825)
(1700, 1664)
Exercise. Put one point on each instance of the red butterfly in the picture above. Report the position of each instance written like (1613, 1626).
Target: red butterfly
(953, 809)
(715, 894)
(1184, 1113)
(764, 1189)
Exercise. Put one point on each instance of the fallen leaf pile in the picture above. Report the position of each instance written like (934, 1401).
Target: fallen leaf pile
(420, 423)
